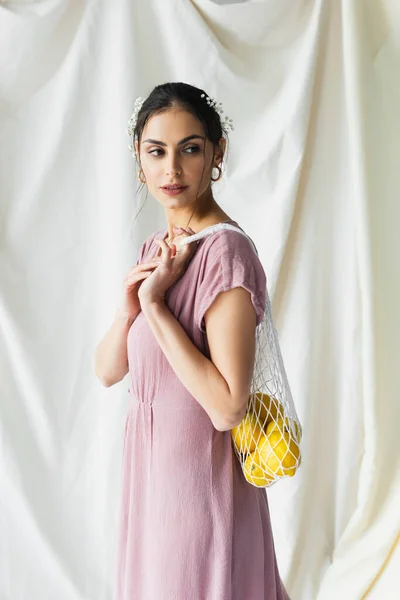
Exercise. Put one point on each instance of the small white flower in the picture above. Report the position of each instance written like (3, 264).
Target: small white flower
(226, 122)
(132, 121)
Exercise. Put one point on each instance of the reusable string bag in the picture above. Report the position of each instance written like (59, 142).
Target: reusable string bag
(267, 441)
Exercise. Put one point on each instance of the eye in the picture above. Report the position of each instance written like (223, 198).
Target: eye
(192, 149)
(155, 150)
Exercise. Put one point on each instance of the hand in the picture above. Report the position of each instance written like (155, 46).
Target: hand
(130, 304)
(174, 262)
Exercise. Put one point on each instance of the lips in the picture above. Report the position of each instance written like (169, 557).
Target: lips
(173, 187)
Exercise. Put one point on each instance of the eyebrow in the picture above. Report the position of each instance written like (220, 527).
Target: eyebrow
(186, 139)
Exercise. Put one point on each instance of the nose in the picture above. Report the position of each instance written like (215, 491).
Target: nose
(173, 167)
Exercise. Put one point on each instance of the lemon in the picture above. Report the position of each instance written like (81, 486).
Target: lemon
(247, 434)
(266, 407)
(255, 470)
(280, 452)
(283, 426)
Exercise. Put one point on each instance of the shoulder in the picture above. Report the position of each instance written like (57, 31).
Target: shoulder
(230, 239)
(156, 235)
(228, 260)
(148, 244)
(229, 246)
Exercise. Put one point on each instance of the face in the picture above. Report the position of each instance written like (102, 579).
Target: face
(174, 150)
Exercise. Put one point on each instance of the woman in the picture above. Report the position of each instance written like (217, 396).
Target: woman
(191, 526)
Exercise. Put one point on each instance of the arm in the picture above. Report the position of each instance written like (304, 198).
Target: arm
(220, 385)
(111, 356)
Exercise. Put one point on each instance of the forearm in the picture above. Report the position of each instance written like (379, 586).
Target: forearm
(111, 356)
(196, 372)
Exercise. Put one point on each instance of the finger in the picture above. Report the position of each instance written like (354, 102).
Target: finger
(187, 231)
(139, 276)
(144, 265)
(164, 246)
(142, 274)
(155, 261)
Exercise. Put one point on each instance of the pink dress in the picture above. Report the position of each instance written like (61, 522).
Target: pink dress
(190, 526)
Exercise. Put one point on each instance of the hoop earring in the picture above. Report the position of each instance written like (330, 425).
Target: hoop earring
(219, 175)
(140, 177)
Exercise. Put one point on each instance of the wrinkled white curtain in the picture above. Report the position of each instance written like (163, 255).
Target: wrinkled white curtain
(312, 175)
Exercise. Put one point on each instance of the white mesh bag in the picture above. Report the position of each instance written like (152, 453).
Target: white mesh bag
(267, 441)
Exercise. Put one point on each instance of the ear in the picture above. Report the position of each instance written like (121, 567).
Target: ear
(137, 147)
(220, 150)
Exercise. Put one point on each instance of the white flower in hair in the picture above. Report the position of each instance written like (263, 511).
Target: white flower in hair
(226, 122)
(132, 121)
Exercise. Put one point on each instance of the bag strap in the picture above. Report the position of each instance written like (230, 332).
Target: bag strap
(217, 227)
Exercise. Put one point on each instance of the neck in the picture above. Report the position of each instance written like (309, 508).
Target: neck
(207, 212)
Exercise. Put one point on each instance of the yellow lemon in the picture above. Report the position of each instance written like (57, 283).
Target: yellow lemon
(247, 434)
(281, 453)
(255, 470)
(267, 408)
(283, 426)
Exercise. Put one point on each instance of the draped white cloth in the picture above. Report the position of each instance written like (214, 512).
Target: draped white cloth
(313, 177)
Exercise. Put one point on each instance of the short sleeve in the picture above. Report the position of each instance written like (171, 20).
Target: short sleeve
(145, 247)
(141, 252)
(228, 261)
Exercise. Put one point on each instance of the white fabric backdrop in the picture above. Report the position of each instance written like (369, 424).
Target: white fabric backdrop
(312, 175)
